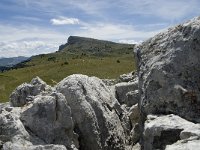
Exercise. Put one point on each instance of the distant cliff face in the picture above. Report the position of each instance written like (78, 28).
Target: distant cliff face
(79, 40)
(93, 46)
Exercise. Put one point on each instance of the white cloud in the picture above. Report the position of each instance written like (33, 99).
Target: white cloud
(26, 48)
(64, 21)
(28, 40)
(125, 41)
(14, 33)
(115, 32)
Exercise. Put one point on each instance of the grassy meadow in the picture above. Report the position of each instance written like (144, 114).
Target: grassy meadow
(52, 68)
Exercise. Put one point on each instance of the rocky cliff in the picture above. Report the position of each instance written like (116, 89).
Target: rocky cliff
(72, 40)
(156, 108)
(89, 46)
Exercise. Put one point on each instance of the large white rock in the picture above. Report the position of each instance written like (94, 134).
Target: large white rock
(25, 92)
(13, 131)
(11, 126)
(49, 117)
(189, 144)
(26, 146)
(160, 131)
(169, 78)
(94, 111)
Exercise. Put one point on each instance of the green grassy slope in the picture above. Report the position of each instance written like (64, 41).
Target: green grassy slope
(55, 66)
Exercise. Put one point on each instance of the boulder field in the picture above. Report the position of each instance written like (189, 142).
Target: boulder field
(155, 108)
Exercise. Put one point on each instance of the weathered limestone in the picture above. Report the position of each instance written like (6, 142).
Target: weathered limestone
(169, 78)
(50, 115)
(25, 92)
(81, 112)
(28, 146)
(11, 126)
(132, 98)
(134, 116)
(130, 77)
(94, 113)
(160, 131)
(13, 132)
(188, 144)
(126, 92)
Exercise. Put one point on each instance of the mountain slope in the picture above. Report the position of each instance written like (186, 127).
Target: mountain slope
(79, 55)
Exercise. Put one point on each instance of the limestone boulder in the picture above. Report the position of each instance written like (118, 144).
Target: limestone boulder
(188, 144)
(168, 70)
(160, 131)
(11, 126)
(49, 117)
(28, 146)
(25, 92)
(95, 112)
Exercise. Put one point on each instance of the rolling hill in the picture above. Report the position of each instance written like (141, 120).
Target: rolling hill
(6, 63)
(12, 61)
(88, 56)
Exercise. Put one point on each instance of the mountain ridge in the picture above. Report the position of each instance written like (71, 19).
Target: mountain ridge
(78, 40)
(76, 44)
(11, 60)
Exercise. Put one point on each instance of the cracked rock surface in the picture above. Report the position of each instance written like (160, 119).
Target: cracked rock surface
(169, 78)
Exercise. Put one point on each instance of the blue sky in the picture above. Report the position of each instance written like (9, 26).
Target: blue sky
(30, 27)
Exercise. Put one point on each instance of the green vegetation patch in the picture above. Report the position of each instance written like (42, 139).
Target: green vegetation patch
(52, 68)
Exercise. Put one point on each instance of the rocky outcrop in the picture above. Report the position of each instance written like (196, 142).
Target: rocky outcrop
(169, 83)
(80, 112)
(14, 136)
(24, 145)
(25, 92)
(95, 112)
(11, 126)
(188, 144)
(160, 131)
(169, 78)
(50, 115)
